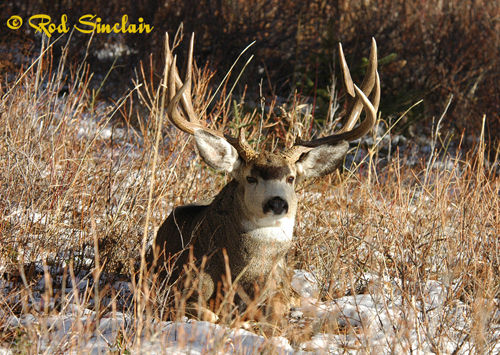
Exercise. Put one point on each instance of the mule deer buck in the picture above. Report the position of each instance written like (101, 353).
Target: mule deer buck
(248, 226)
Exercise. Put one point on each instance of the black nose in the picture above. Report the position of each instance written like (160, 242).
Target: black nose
(277, 205)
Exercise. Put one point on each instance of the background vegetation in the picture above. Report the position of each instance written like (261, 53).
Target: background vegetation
(429, 49)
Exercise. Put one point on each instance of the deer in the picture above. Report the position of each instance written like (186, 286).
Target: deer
(244, 233)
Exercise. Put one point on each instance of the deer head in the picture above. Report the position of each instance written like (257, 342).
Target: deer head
(267, 180)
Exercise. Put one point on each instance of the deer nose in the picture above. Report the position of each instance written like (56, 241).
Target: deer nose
(277, 205)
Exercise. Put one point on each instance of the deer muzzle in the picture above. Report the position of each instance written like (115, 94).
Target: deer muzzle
(276, 205)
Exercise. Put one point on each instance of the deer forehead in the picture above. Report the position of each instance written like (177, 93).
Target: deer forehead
(271, 166)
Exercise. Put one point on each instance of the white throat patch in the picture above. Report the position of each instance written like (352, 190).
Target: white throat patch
(270, 228)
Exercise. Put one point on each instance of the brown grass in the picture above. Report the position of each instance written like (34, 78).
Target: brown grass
(77, 183)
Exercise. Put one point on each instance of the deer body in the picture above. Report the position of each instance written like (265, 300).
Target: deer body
(245, 232)
(254, 244)
(247, 251)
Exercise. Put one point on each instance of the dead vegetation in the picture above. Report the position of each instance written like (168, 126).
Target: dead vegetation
(81, 190)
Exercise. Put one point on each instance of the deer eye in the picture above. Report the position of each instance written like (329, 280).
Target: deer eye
(251, 180)
(290, 179)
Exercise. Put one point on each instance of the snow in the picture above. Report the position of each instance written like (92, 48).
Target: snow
(379, 321)
(203, 337)
(303, 282)
(64, 332)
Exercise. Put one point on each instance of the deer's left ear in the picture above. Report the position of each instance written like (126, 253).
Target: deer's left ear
(321, 160)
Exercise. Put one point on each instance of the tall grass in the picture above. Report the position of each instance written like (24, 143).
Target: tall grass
(77, 182)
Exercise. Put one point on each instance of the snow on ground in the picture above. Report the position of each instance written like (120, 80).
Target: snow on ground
(66, 331)
(377, 321)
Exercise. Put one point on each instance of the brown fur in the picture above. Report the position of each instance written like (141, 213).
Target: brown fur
(209, 231)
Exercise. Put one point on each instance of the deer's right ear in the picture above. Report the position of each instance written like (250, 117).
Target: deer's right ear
(216, 151)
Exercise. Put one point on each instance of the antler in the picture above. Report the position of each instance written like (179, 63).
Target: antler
(179, 92)
(348, 133)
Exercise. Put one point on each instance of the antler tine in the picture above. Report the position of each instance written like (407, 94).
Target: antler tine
(375, 97)
(187, 104)
(361, 130)
(241, 145)
(366, 85)
(348, 133)
(172, 111)
(186, 98)
(349, 85)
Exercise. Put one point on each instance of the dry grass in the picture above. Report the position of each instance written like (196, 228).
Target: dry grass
(78, 182)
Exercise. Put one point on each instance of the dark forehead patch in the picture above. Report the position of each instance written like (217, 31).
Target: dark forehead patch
(270, 166)
(271, 172)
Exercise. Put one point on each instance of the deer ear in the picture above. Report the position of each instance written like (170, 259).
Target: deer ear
(321, 160)
(216, 151)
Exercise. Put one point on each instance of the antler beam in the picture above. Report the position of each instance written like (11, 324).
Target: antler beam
(348, 133)
(179, 92)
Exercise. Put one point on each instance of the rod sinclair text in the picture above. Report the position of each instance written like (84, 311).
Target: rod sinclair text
(88, 24)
